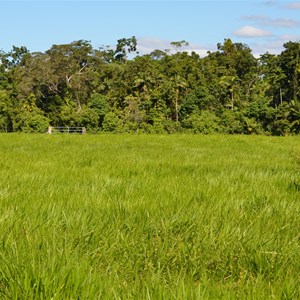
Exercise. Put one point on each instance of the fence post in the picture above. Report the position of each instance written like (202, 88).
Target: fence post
(49, 130)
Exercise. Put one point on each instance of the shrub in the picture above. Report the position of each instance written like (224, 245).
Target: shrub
(206, 122)
(32, 122)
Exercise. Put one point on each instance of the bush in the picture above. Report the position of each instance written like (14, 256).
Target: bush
(231, 122)
(32, 122)
(111, 123)
(206, 122)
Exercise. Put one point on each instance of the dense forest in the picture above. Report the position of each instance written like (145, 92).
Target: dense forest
(118, 90)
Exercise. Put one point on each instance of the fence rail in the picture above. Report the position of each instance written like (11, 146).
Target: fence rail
(53, 129)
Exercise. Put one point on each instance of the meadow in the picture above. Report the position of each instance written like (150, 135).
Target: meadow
(149, 217)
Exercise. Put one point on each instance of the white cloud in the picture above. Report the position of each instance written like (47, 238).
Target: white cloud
(291, 37)
(250, 31)
(273, 46)
(145, 45)
(201, 52)
(281, 22)
(293, 5)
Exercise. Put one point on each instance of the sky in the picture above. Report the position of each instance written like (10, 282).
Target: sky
(263, 25)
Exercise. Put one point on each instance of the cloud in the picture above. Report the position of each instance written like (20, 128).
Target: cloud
(273, 46)
(251, 32)
(281, 22)
(293, 5)
(270, 3)
(288, 37)
(145, 45)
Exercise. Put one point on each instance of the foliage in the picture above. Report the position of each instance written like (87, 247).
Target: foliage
(108, 89)
(6, 112)
(111, 122)
(205, 122)
(32, 122)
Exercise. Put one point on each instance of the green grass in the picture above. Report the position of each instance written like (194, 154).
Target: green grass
(149, 217)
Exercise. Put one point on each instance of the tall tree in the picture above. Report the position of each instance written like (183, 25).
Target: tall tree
(124, 47)
(272, 74)
(290, 64)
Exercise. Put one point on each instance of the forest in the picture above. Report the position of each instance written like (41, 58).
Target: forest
(229, 91)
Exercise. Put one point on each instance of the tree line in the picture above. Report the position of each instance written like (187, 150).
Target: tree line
(118, 90)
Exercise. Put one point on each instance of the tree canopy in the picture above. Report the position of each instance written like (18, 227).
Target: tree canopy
(118, 90)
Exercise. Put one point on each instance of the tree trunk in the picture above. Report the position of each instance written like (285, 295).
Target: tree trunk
(280, 95)
(78, 104)
(176, 105)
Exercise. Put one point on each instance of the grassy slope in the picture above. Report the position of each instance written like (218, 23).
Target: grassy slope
(157, 217)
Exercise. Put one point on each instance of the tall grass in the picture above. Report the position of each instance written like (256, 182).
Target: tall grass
(149, 217)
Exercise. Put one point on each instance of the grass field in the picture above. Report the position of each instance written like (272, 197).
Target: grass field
(149, 217)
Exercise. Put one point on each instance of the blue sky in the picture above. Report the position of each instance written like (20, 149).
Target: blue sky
(263, 25)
